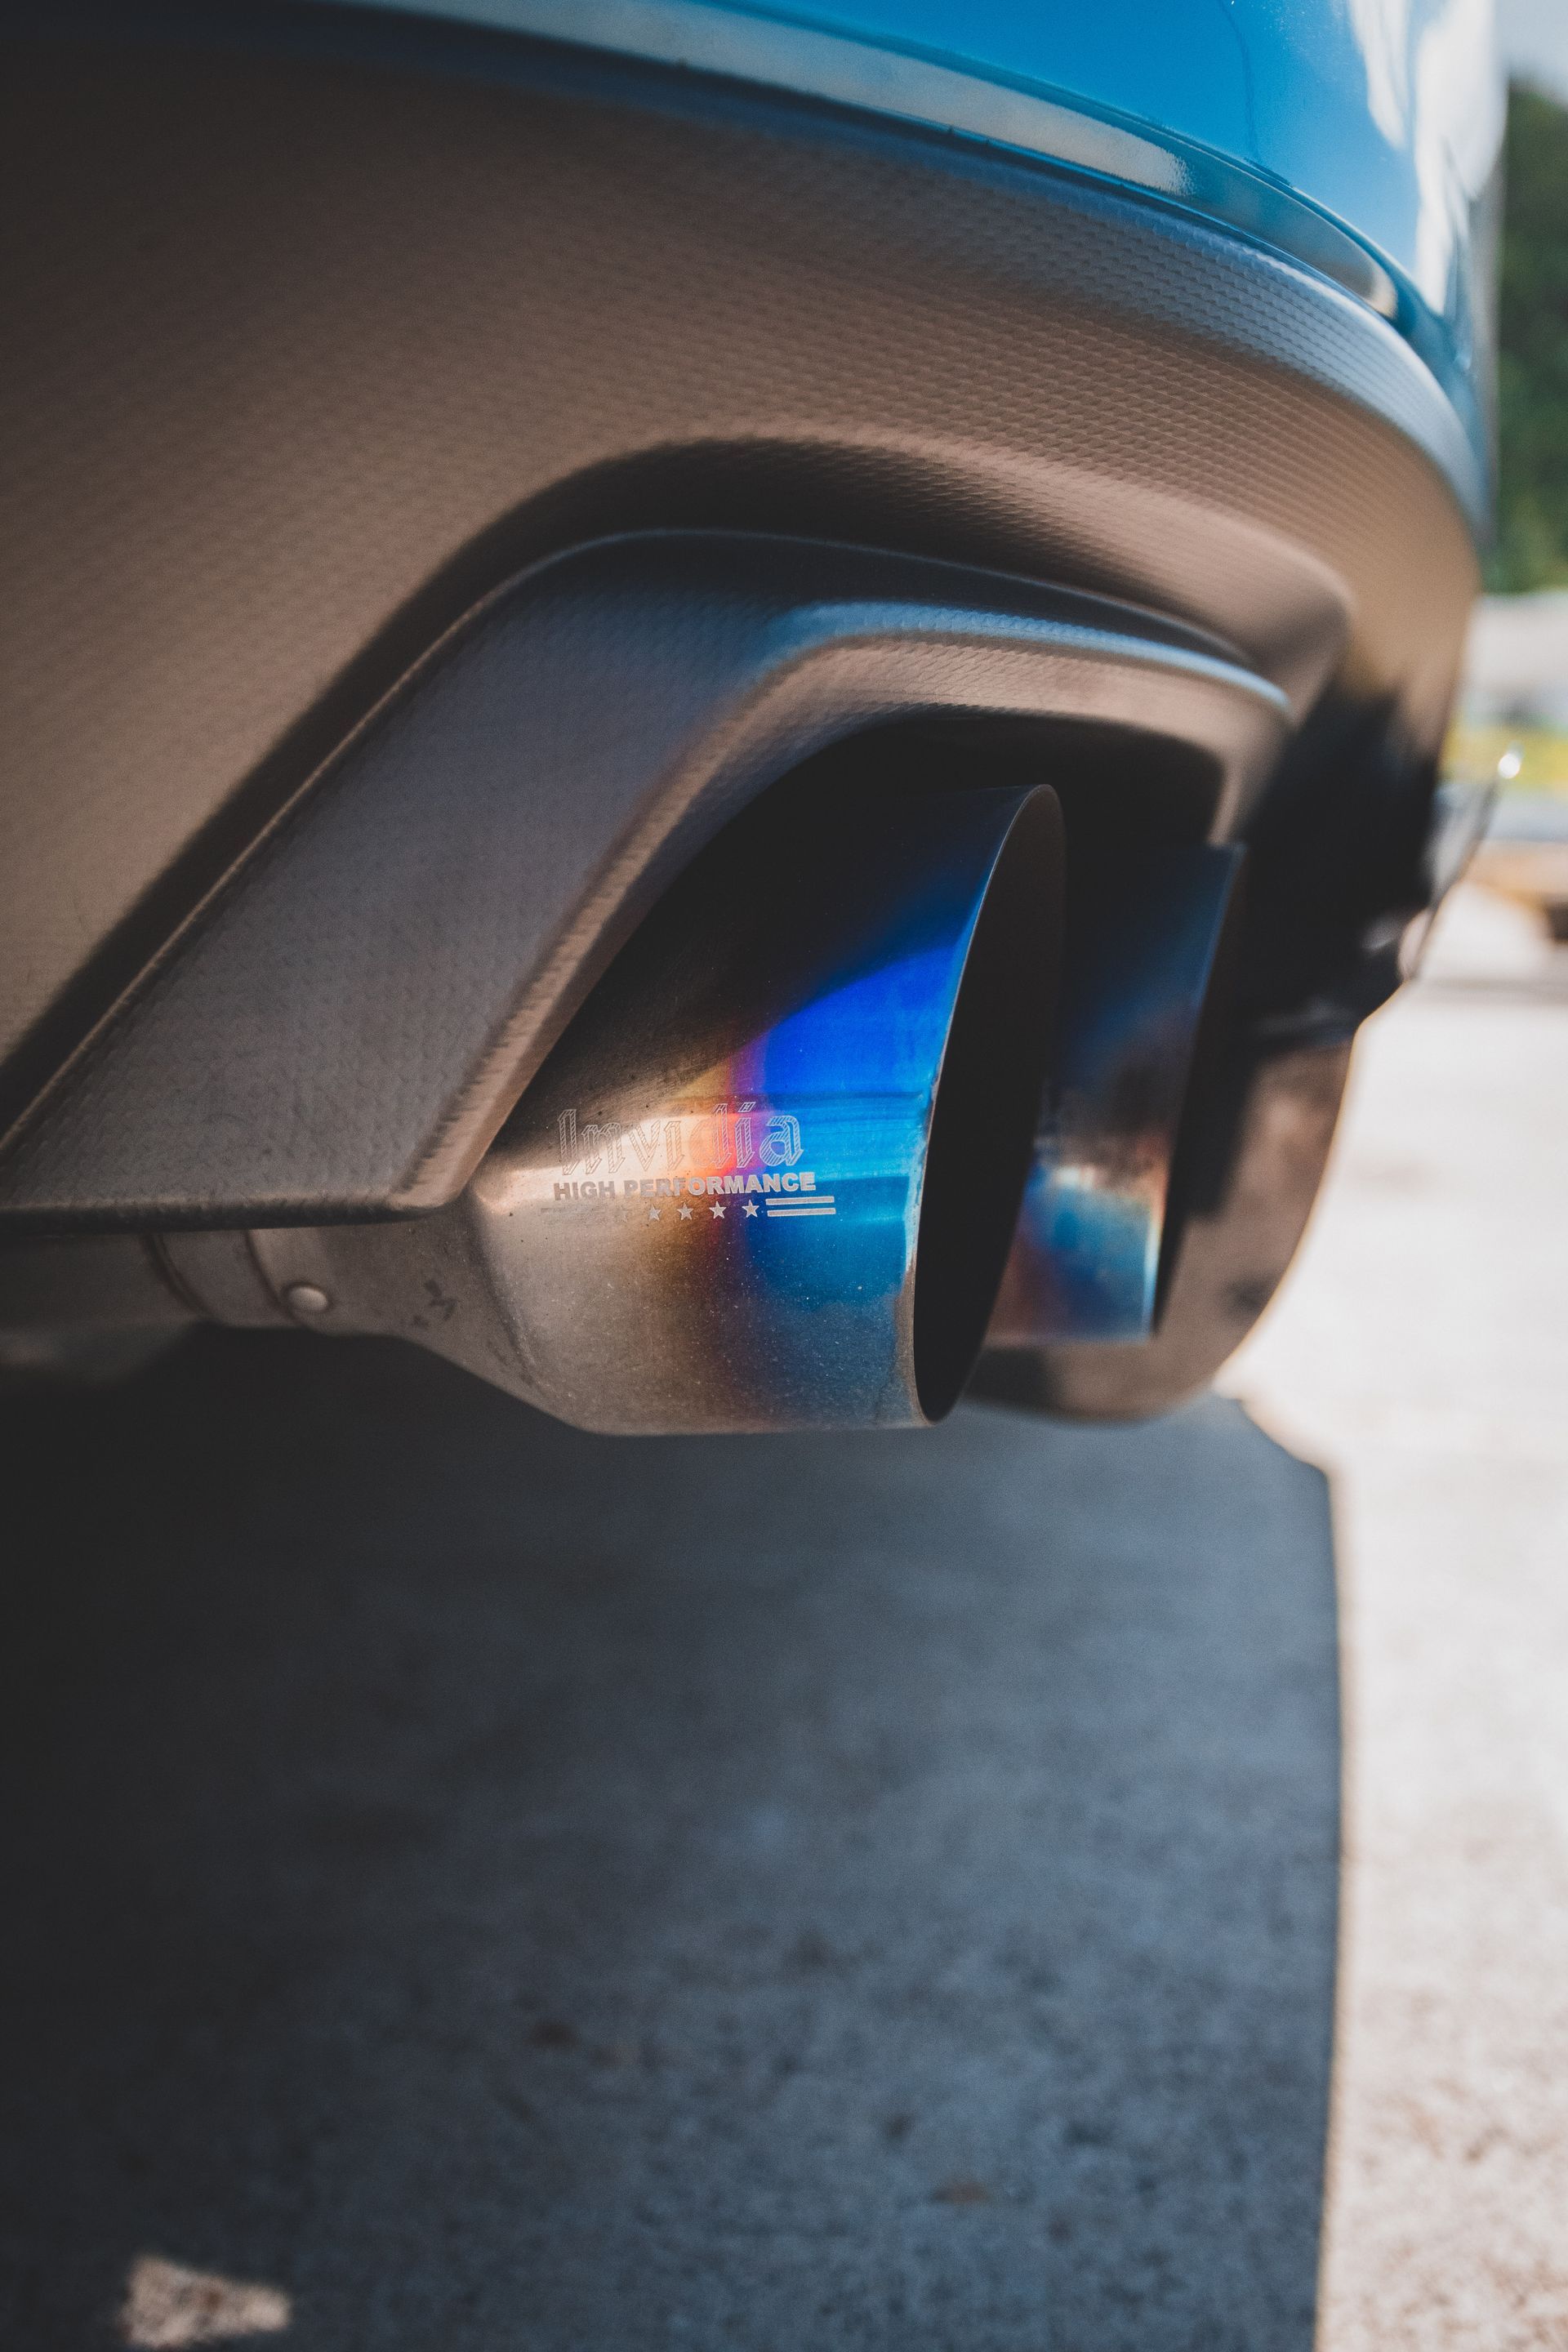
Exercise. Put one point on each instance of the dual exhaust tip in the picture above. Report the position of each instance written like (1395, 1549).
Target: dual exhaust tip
(853, 1101)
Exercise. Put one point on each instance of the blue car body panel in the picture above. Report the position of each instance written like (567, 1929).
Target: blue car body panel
(1362, 137)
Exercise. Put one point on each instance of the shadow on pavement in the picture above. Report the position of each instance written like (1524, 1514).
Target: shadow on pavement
(513, 1889)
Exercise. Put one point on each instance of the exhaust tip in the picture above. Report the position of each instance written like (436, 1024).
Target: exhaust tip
(1147, 1001)
(769, 1177)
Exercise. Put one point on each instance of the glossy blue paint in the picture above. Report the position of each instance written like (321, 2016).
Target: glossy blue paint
(1387, 114)
(1360, 136)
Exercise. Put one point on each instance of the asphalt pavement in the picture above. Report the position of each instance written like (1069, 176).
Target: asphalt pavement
(480, 1886)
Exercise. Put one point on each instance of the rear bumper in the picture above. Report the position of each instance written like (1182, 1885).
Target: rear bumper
(341, 321)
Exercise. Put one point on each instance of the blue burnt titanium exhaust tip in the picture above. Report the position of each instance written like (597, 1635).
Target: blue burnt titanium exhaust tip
(769, 1177)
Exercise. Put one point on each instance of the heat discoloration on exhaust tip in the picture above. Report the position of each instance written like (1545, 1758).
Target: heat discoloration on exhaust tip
(166, 2304)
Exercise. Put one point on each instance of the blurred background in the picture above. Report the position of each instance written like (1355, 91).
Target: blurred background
(1515, 704)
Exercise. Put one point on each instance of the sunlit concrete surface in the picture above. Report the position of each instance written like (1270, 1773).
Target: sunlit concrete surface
(1421, 1355)
(168, 2306)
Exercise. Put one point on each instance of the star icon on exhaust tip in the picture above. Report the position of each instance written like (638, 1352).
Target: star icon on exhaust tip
(750, 1208)
(715, 1210)
(654, 1215)
(687, 1214)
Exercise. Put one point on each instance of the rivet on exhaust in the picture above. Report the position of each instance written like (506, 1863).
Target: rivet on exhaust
(306, 1299)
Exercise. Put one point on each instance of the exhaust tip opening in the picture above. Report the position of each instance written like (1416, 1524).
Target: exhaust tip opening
(986, 1106)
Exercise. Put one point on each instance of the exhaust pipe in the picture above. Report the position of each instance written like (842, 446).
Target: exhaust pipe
(1147, 987)
(770, 1176)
